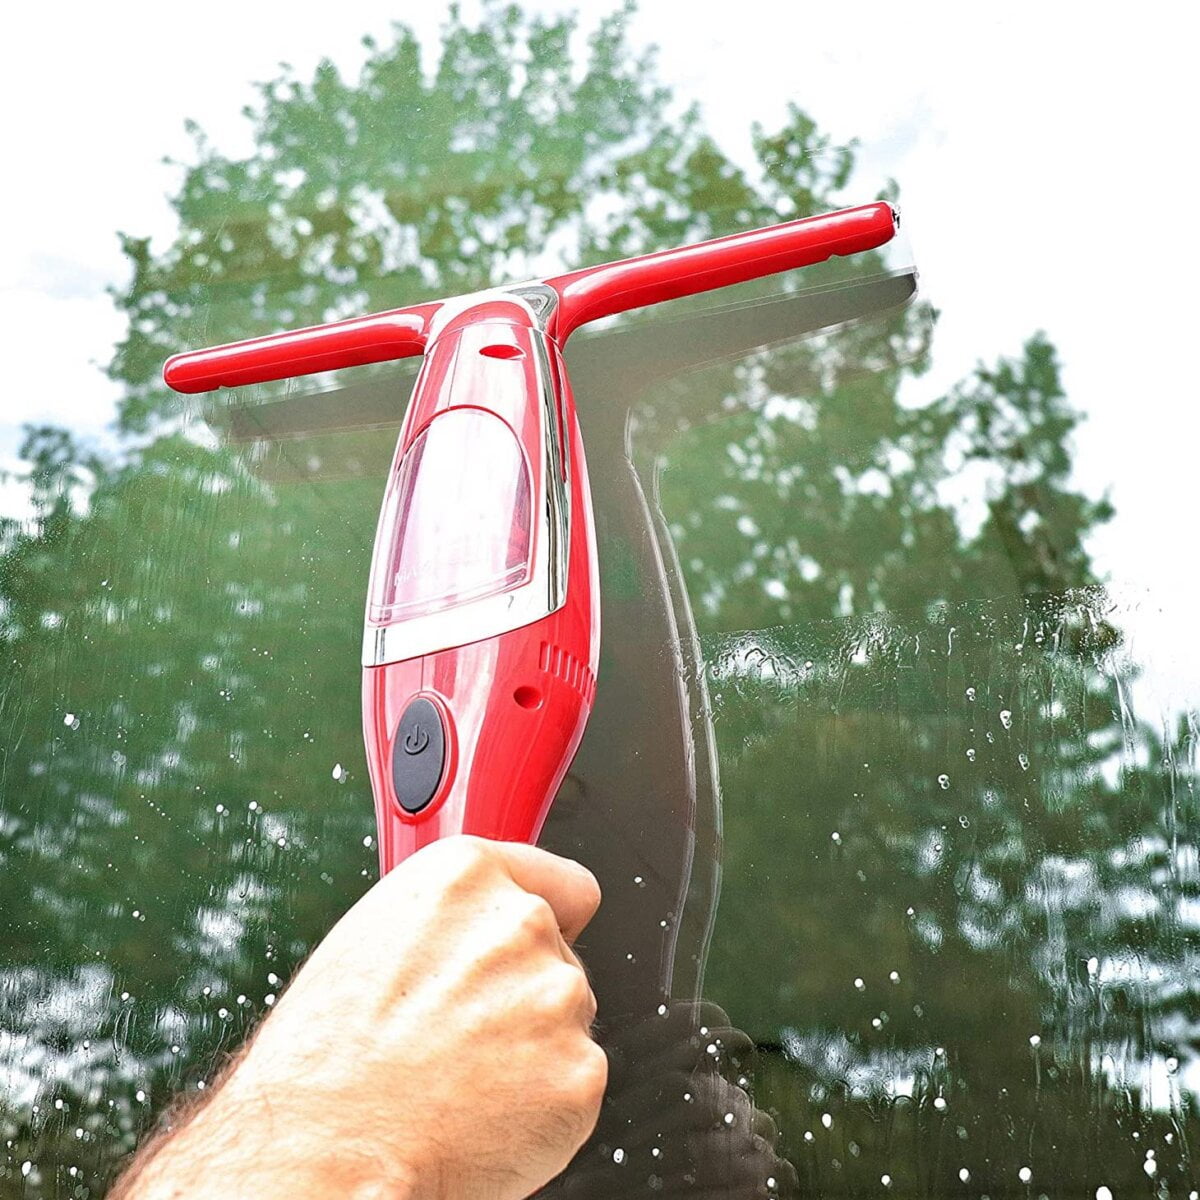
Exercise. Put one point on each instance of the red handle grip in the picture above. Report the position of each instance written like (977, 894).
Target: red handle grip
(584, 295)
(381, 337)
(618, 287)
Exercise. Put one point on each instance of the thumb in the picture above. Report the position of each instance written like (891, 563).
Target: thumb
(567, 886)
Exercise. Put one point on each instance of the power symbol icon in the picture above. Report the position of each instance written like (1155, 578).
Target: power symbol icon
(418, 755)
(415, 740)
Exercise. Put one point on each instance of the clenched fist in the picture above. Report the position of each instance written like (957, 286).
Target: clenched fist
(436, 1045)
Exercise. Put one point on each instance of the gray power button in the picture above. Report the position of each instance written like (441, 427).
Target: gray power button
(418, 755)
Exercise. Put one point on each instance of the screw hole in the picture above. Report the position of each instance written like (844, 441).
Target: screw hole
(528, 697)
(502, 350)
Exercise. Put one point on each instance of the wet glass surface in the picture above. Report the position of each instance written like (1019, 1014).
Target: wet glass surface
(891, 792)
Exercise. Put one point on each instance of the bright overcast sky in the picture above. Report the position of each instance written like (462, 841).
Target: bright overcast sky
(1045, 152)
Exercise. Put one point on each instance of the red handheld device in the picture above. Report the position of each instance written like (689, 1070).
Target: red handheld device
(482, 632)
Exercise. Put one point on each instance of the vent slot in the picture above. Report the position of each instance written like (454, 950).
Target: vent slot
(554, 660)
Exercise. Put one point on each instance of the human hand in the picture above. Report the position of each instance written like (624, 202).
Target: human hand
(435, 1045)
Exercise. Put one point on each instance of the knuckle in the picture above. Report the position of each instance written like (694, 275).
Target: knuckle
(534, 918)
(566, 992)
(591, 1077)
(459, 860)
(589, 1004)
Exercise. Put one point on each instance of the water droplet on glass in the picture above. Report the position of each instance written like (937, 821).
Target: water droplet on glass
(26, 1167)
(339, 772)
(1023, 759)
(1172, 1065)
(269, 999)
(71, 721)
(835, 838)
(1024, 1174)
(1006, 718)
(1103, 1193)
(662, 1010)
(618, 1156)
(272, 979)
(970, 753)
(1035, 1041)
(639, 881)
(886, 1180)
(1150, 1167)
(728, 1118)
(964, 1174)
(771, 1181)
(140, 1096)
(943, 782)
(894, 976)
(859, 985)
(939, 1102)
(964, 821)
(368, 841)
(827, 1120)
(970, 693)
(808, 1135)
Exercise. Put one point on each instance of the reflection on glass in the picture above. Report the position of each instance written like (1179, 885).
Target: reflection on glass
(860, 683)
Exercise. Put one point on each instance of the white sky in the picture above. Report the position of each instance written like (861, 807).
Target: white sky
(1045, 152)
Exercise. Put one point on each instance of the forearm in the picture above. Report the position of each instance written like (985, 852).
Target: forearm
(234, 1140)
(167, 1163)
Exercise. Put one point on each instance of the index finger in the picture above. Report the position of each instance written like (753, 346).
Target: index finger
(568, 887)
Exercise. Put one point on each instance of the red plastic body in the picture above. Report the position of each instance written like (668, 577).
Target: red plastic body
(513, 706)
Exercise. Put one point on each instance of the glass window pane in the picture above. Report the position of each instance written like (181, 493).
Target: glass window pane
(891, 778)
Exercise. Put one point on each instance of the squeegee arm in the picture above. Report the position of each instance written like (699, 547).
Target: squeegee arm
(584, 296)
(381, 337)
(603, 291)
